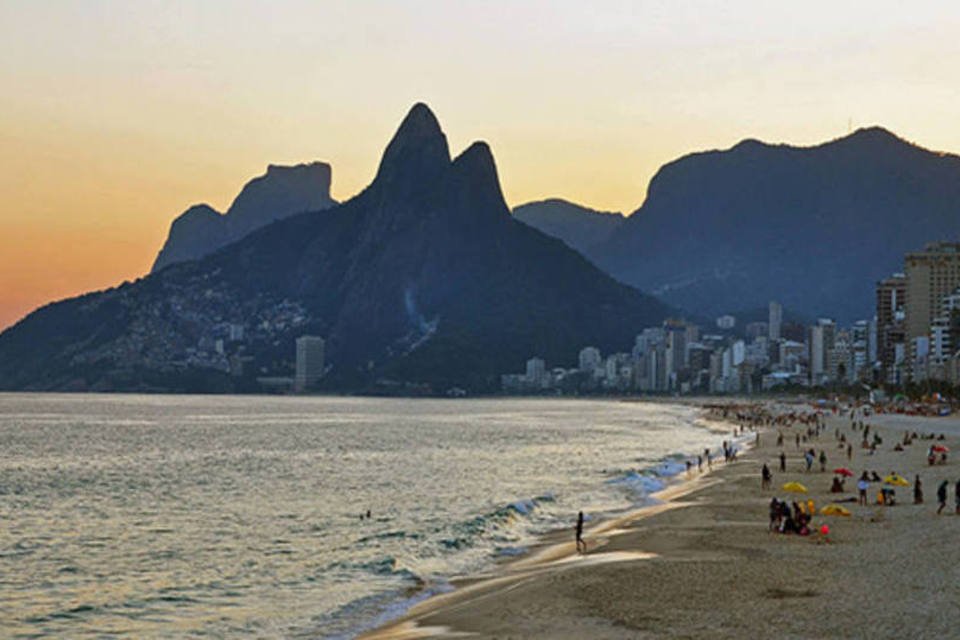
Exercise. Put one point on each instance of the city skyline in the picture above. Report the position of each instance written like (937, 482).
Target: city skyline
(103, 150)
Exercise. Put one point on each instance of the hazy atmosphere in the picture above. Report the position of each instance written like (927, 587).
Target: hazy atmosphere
(118, 116)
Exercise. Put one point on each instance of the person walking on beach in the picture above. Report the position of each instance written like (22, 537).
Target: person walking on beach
(783, 462)
(849, 452)
(766, 477)
(917, 490)
(957, 497)
(700, 464)
(942, 495)
(581, 544)
(823, 461)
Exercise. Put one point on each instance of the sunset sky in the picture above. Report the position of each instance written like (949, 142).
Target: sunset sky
(116, 116)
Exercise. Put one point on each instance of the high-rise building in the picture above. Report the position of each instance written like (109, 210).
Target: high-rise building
(891, 314)
(860, 348)
(536, 372)
(945, 335)
(310, 355)
(841, 359)
(816, 357)
(931, 274)
(821, 345)
(589, 359)
(676, 346)
(774, 320)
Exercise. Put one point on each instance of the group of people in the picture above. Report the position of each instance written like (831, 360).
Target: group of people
(787, 518)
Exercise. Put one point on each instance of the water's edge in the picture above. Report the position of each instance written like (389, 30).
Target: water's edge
(651, 482)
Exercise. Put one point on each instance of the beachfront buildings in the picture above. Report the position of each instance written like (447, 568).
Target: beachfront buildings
(931, 274)
(891, 328)
(734, 357)
(913, 338)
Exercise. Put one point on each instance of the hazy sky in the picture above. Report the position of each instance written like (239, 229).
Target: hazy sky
(116, 116)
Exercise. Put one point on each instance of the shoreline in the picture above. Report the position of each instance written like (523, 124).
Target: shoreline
(556, 549)
(704, 562)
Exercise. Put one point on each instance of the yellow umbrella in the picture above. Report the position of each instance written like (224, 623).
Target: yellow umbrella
(899, 481)
(834, 510)
(794, 487)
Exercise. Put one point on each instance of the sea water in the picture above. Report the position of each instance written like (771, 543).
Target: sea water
(201, 516)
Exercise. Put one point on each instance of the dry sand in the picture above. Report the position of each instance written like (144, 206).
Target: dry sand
(704, 565)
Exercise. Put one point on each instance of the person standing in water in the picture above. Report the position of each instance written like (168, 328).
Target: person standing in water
(581, 545)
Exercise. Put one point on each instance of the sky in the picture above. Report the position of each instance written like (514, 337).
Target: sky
(117, 116)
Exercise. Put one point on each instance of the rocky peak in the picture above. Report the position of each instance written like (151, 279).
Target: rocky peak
(417, 155)
(281, 192)
(477, 182)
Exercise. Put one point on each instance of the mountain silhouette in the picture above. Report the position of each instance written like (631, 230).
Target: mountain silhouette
(580, 227)
(280, 193)
(422, 278)
(812, 227)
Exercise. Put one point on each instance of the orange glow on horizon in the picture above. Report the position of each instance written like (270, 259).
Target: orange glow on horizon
(118, 116)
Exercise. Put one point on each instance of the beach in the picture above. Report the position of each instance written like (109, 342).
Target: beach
(703, 563)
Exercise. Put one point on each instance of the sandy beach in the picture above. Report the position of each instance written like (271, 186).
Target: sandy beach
(703, 563)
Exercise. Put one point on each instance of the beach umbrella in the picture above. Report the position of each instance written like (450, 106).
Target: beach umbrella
(941, 448)
(899, 481)
(843, 471)
(834, 510)
(794, 487)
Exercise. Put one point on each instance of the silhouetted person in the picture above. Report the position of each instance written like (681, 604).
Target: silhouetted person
(942, 495)
(766, 476)
(917, 490)
(581, 545)
(783, 462)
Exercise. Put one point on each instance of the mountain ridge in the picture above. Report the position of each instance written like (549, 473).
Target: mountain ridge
(282, 191)
(580, 227)
(814, 227)
(423, 278)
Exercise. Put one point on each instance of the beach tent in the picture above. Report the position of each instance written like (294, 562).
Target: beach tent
(794, 487)
(834, 510)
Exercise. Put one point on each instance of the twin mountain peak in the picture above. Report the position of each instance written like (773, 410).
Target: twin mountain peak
(417, 155)
(424, 277)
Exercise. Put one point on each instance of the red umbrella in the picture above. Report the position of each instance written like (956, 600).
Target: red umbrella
(843, 471)
(941, 448)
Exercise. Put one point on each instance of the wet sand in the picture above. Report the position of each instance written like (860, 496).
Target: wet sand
(704, 565)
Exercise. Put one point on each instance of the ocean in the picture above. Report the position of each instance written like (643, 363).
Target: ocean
(236, 516)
